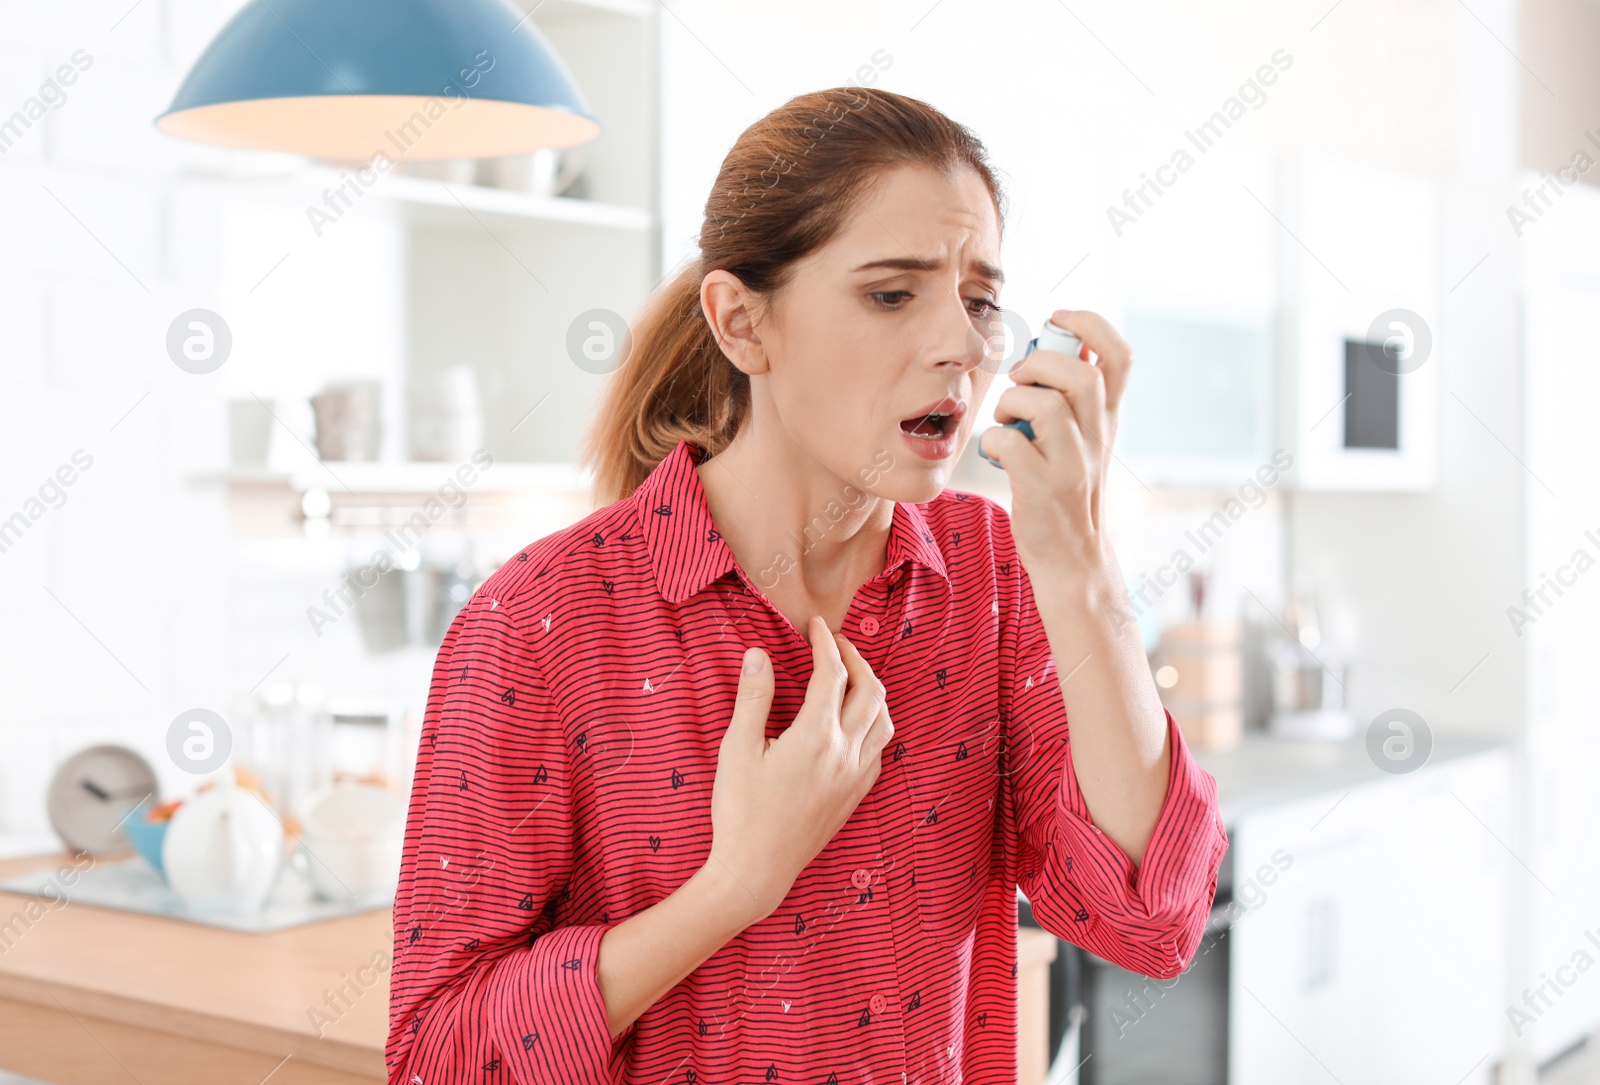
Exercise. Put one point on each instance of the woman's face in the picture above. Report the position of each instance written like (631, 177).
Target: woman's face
(881, 332)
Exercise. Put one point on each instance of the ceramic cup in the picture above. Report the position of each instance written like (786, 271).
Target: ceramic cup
(348, 420)
(352, 835)
(249, 432)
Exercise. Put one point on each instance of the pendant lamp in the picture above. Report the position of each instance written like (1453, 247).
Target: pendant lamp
(353, 79)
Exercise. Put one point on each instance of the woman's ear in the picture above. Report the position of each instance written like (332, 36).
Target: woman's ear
(727, 305)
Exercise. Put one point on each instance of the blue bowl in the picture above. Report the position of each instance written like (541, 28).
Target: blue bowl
(147, 836)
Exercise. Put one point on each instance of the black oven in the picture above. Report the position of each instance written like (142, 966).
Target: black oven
(1109, 1026)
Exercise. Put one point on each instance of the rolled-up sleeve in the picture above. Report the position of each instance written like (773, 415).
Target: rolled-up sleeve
(1080, 884)
(483, 978)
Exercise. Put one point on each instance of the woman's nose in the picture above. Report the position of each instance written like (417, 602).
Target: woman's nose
(964, 342)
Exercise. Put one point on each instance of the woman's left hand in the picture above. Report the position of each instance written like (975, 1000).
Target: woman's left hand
(1057, 478)
(1119, 733)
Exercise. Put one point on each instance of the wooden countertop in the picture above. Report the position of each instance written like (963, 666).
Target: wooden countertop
(162, 991)
(91, 995)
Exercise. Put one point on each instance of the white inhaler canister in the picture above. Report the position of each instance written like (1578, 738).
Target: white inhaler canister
(1051, 337)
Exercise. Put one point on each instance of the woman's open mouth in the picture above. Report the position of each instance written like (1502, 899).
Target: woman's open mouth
(931, 431)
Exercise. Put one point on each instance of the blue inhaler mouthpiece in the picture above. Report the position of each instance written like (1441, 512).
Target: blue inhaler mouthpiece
(1050, 337)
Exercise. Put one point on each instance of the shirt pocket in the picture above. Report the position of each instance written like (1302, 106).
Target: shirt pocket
(954, 786)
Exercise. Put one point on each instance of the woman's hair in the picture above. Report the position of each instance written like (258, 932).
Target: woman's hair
(784, 190)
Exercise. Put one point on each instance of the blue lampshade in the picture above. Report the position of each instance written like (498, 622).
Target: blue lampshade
(350, 79)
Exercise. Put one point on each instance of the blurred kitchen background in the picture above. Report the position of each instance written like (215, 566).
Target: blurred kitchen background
(269, 420)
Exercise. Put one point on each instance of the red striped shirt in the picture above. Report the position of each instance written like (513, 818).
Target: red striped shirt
(563, 784)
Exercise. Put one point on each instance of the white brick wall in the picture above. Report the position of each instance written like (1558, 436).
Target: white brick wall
(21, 72)
(22, 317)
(59, 220)
(109, 120)
(107, 335)
(111, 230)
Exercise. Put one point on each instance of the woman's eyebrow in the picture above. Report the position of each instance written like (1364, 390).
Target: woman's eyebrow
(914, 263)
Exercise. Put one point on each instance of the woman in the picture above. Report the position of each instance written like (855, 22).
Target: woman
(663, 826)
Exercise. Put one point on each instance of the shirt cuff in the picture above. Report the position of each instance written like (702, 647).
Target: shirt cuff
(550, 1016)
(1185, 849)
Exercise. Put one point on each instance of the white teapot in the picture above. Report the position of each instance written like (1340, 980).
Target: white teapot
(223, 849)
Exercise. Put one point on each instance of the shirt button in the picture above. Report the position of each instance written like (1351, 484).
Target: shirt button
(869, 625)
(861, 878)
(879, 1003)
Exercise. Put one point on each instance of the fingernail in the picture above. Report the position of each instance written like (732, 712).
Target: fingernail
(752, 660)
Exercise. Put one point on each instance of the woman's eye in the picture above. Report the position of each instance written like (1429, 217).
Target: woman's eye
(887, 299)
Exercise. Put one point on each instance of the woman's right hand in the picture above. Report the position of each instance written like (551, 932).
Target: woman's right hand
(777, 802)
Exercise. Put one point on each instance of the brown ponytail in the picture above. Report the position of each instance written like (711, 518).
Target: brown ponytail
(783, 191)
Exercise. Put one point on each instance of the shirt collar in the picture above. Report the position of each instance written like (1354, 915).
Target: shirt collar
(688, 552)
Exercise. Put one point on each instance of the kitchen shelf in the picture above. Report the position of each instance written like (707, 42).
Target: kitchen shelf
(552, 10)
(369, 498)
(424, 201)
(433, 201)
(414, 477)
(490, 278)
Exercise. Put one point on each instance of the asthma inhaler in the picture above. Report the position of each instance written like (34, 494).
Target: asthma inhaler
(1050, 337)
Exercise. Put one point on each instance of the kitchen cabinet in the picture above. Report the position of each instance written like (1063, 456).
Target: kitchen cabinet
(1362, 388)
(1356, 933)
(1554, 626)
(1199, 411)
(1375, 954)
(1196, 294)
